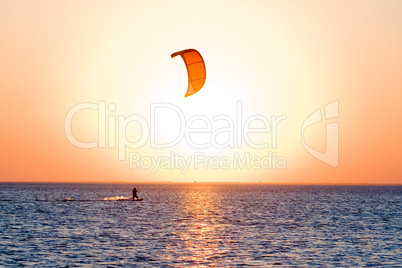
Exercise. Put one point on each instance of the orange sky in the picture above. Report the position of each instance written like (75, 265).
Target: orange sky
(275, 57)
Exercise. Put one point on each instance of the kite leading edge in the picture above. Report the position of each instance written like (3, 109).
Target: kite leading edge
(195, 69)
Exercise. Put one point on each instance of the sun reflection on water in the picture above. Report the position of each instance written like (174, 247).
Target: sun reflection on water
(202, 229)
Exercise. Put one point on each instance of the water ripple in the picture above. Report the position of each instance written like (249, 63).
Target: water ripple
(45, 225)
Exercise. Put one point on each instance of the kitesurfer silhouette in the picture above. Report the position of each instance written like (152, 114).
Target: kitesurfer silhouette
(135, 194)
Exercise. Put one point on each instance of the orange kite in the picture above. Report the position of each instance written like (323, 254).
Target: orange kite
(195, 69)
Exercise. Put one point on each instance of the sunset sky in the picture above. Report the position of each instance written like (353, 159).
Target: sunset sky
(273, 58)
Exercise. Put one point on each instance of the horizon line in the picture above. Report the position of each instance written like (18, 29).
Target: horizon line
(205, 182)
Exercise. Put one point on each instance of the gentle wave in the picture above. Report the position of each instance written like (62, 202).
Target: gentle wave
(200, 225)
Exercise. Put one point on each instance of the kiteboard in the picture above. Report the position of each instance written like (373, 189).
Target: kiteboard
(129, 199)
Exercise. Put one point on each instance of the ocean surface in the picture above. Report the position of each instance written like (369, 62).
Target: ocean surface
(200, 225)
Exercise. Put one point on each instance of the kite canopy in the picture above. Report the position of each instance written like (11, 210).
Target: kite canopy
(195, 69)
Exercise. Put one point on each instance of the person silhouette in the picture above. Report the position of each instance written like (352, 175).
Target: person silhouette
(135, 194)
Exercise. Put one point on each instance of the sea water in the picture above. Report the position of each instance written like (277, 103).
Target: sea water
(84, 225)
